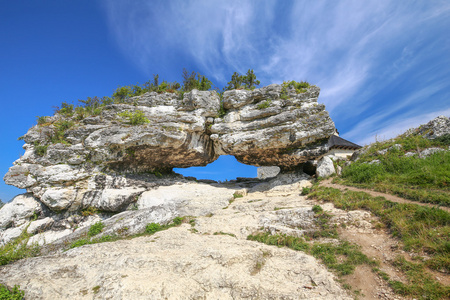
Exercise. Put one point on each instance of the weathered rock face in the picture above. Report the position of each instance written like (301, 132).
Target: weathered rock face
(259, 128)
(437, 127)
(263, 129)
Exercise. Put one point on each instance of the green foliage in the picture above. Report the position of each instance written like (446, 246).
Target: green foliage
(444, 140)
(96, 228)
(66, 109)
(235, 83)
(247, 81)
(250, 80)
(14, 294)
(222, 111)
(177, 221)
(306, 190)
(420, 284)
(18, 249)
(59, 129)
(152, 228)
(195, 81)
(264, 104)
(134, 118)
(237, 195)
(40, 150)
(86, 241)
(300, 87)
(89, 211)
(41, 120)
(224, 233)
(122, 93)
(317, 209)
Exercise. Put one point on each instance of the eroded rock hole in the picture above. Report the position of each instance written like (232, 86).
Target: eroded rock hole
(226, 167)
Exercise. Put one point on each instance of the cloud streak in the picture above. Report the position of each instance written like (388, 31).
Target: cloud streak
(375, 61)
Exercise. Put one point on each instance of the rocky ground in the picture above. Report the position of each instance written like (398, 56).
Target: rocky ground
(212, 259)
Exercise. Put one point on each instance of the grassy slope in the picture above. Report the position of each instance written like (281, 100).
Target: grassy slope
(420, 179)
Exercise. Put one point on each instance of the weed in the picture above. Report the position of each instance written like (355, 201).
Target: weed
(264, 104)
(40, 150)
(134, 118)
(41, 120)
(18, 249)
(96, 289)
(224, 233)
(237, 195)
(152, 228)
(306, 190)
(90, 211)
(96, 228)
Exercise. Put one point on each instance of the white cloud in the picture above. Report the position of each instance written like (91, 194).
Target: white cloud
(353, 50)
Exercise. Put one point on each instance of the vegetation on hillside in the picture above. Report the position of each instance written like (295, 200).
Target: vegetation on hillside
(424, 179)
(422, 230)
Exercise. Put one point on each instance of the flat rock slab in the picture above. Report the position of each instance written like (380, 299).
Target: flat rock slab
(175, 264)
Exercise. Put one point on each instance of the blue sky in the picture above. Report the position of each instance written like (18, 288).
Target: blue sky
(382, 66)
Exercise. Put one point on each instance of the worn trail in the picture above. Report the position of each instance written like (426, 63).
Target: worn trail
(328, 183)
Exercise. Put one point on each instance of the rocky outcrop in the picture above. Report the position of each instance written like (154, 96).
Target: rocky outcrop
(437, 127)
(73, 162)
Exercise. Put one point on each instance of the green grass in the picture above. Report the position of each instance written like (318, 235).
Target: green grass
(422, 230)
(342, 258)
(18, 249)
(150, 229)
(96, 228)
(11, 294)
(420, 179)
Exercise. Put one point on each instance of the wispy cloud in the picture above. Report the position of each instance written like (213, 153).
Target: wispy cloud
(375, 61)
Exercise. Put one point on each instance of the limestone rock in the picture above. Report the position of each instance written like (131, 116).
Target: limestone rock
(267, 172)
(325, 167)
(430, 151)
(19, 211)
(187, 199)
(259, 128)
(435, 128)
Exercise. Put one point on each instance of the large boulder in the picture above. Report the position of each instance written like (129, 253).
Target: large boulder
(325, 167)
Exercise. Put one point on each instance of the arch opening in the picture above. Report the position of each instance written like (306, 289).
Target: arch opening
(226, 167)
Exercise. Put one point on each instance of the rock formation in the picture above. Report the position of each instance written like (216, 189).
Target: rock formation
(87, 166)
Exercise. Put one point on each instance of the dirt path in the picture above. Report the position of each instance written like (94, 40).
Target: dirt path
(328, 183)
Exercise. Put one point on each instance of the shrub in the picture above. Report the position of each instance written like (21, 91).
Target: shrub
(317, 209)
(306, 190)
(89, 211)
(66, 109)
(264, 104)
(14, 294)
(152, 228)
(18, 249)
(40, 150)
(41, 120)
(96, 228)
(300, 87)
(134, 118)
